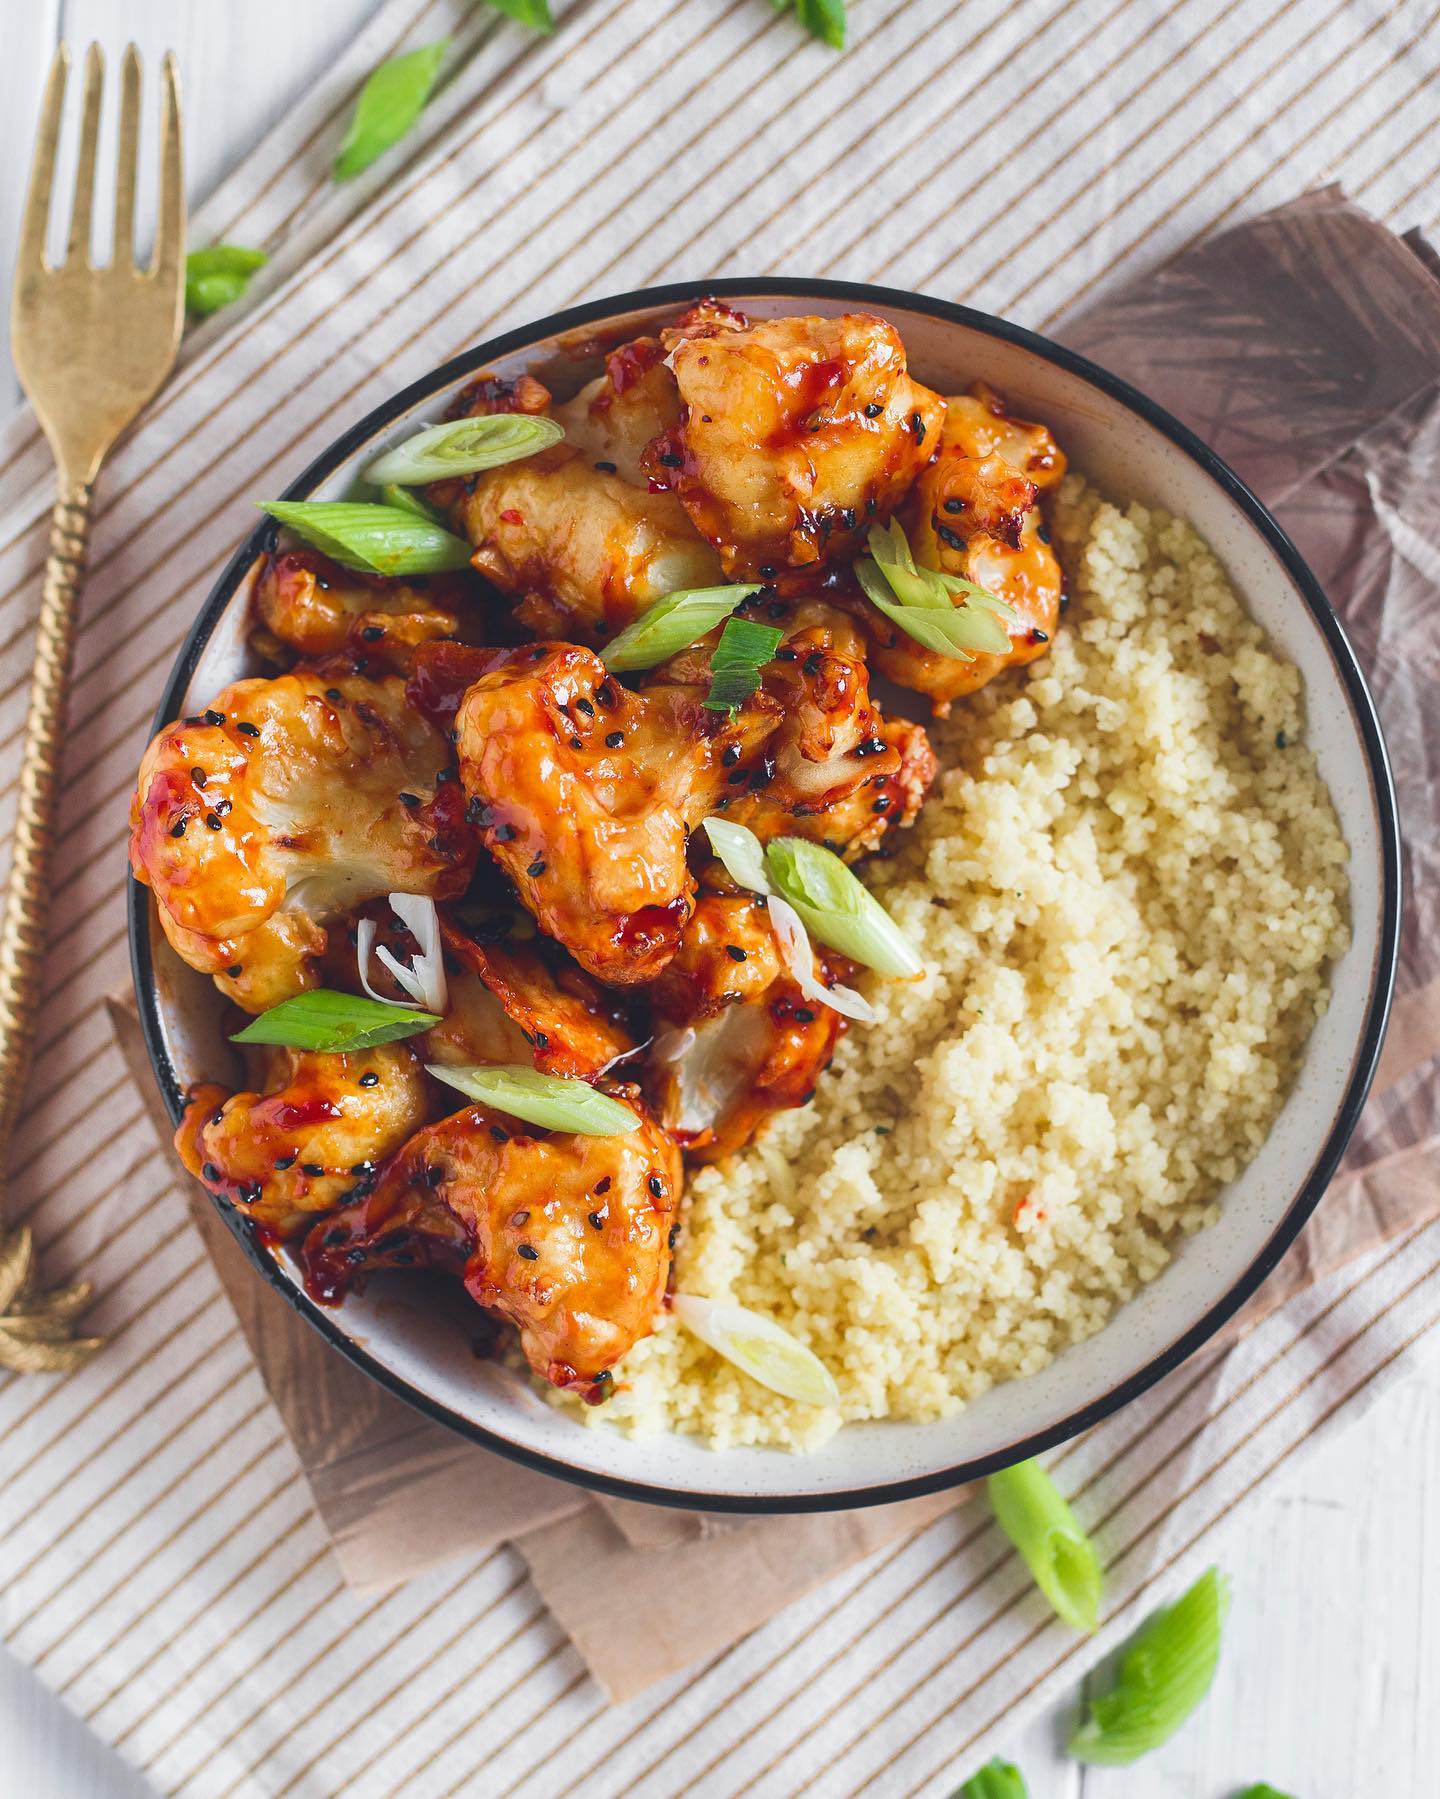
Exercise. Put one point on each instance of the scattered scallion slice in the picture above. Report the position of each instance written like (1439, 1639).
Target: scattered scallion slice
(798, 954)
(217, 275)
(549, 1100)
(1163, 1676)
(1030, 1510)
(672, 624)
(534, 13)
(1263, 1790)
(334, 1023)
(759, 1347)
(377, 540)
(463, 447)
(824, 19)
(741, 851)
(921, 601)
(424, 979)
(390, 102)
(839, 909)
(402, 499)
(996, 1780)
(743, 650)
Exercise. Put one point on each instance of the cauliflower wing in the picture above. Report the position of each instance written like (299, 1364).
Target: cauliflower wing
(795, 435)
(286, 805)
(305, 603)
(566, 1236)
(310, 1139)
(973, 512)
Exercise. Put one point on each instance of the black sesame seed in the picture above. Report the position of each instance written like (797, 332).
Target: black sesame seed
(803, 1015)
(178, 828)
(671, 460)
(605, 695)
(873, 410)
(218, 1117)
(735, 953)
(729, 756)
(954, 505)
(197, 775)
(674, 1236)
(210, 1172)
(373, 633)
(813, 663)
(529, 1251)
(542, 1041)
(1281, 740)
(603, 1184)
(917, 425)
(953, 538)
(215, 718)
(767, 571)
(475, 812)
(505, 833)
(224, 806)
(881, 805)
(787, 655)
(872, 746)
(334, 694)
(606, 468)
(233, 970)
(737, 776)
(1042, 534)
(577, 743)
(536, 868)
(604, 1378)
(313, 1169)
(595, 1221)
(613, 739)
(499, 1133)
(1064, 602)
(253, 1192)
(1039, 637)
(805, 1098)
(847, 517)
(246, 729)
(657, 1186)
(333, 1239)
(363, 1168)
(409, 799)
(584, 705)
(212, 821)
(284, 1163)
(434, 1175)
(872, 506)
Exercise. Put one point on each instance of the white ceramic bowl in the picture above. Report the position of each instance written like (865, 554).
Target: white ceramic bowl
(1132, 449)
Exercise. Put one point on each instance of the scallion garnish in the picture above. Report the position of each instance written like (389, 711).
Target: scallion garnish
(534, 13)
(672, 624)
(824, 19)
(1163, 1676)
(403, 500)
(390, 102)
(922, 600)
(217, 275)
(741, 851)
(759, 1347)
(549, 1100)
(1030, 1510)
(743, 650)
(1263, 1790)
(463, 447)
(838, 908)
(996, 1780)
(377, 540)
(334, 1023)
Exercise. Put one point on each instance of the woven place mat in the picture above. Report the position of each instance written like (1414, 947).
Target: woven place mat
(163, 1566)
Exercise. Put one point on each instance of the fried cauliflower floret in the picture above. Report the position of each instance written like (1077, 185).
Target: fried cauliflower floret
(584, 793)
(614, 417)
(306, 604)
(795, 435)
(566, 1236)
(583, 549)
(742, 1040)
(973, 512)
(310, 1138)
(285, 806)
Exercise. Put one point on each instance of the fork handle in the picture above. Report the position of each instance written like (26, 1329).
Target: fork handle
(22, 923)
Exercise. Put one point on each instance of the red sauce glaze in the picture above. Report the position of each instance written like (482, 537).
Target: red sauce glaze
(442, 675)
(290, 1116)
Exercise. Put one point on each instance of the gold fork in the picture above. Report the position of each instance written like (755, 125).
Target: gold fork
(91, 346)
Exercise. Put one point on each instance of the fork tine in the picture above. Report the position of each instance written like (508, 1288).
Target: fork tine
(42, 170)
(170, 231)
(84, 203)
(123, 255)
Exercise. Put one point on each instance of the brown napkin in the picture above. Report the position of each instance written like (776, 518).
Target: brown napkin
(1305, 347)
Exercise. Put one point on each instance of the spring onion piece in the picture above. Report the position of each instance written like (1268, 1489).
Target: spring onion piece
(922, 600)
(672, 624)
(741, 851)
(799, 959)
(463, 447)
(1030, 1510)
(377, 540)
(548, 1100)
(390, 102)
(425, 978)
(837, 908)
(996, 1780)
(534, 13)
(1263, 1791)
(743, 650)
(216, 276)
(334, 1023)
(403, 500)
(758, 1347)
(1163, 1676)
(824, 19)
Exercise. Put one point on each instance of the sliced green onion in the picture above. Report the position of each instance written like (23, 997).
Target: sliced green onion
(824, 19)
(743, 650)
(534, 13)
(403, 500)
(377, 540)
(216, 276)
(463, 447)
(758, 1347)
(996, 1780)
(839, 909)
(741, 851)
(390, 102)
(548, 1100)
(1263, 1790)
(334, 1022)
(1163, 1676)
(672, 624)
(921, 601)
(1030, 1510)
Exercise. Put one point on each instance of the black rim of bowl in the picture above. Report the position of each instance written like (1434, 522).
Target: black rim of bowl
(1367, 1051)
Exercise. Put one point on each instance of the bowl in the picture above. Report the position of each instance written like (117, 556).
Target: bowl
(1128, 446)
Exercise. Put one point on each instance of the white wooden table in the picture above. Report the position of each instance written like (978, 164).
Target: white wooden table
(1330, 1683)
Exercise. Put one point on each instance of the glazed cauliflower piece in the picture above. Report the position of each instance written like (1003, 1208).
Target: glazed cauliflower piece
(284, 807)
(307, 604)
(796, 434)
(974, 512)
(310, 1138)
(581, 547)
(567, 1236)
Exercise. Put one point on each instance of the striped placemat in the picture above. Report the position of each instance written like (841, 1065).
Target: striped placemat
(158, 1562)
